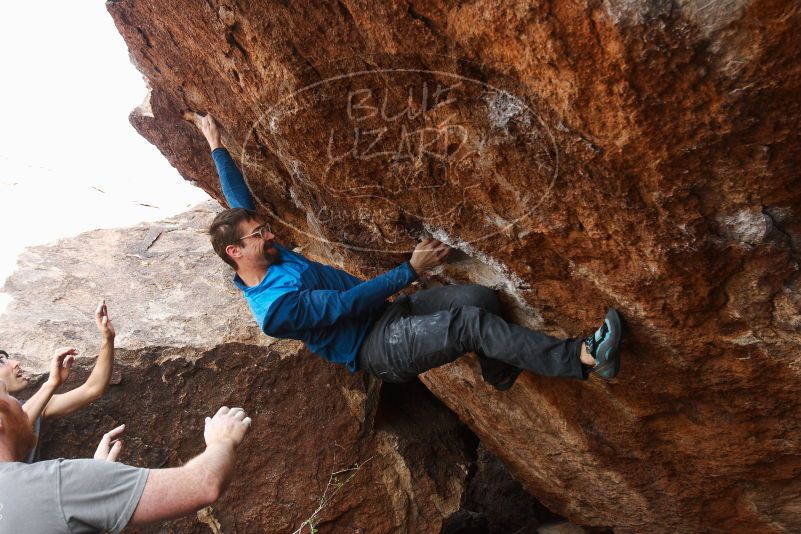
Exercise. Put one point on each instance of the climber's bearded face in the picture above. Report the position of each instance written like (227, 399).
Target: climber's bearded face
(257, 245)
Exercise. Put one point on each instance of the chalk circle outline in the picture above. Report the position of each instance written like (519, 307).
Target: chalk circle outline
(524, 107)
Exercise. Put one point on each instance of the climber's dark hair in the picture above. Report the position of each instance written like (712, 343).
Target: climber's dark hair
(3, 356)
(224, 230)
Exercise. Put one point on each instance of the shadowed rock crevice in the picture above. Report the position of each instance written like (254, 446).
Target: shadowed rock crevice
(495, 503)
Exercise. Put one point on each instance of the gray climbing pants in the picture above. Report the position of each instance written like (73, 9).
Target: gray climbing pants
(435, 326)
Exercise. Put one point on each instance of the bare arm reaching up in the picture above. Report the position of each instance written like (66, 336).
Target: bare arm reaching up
(171, 493)
(94, 387)
(60, 367)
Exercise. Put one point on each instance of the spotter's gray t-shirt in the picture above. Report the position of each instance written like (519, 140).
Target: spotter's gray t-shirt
(69, 496)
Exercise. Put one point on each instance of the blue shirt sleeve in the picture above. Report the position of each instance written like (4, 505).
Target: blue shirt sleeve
(233, 183)
(316, 308)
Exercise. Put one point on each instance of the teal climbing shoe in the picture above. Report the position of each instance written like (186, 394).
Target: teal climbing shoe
(603, 346)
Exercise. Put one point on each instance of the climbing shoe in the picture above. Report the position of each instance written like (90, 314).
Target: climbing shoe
(507, 381)
(603, 346)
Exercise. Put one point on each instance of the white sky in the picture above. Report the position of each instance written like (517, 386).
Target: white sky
(66, 90)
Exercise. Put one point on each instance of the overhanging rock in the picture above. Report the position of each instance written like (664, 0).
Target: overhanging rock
(580, 155)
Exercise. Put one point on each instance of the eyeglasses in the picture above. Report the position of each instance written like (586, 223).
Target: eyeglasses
(260, 231)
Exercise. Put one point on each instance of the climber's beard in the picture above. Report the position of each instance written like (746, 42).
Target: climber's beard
(271, 254)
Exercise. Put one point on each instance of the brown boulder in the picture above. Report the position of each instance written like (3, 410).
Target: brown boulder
(580, 155)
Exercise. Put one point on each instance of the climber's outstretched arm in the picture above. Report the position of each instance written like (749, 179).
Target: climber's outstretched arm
(231, 180)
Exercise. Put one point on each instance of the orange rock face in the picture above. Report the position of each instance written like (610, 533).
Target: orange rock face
(579, 155)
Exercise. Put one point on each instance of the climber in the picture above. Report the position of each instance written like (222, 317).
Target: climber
(44, 404)
(348, 321)
(91, 495)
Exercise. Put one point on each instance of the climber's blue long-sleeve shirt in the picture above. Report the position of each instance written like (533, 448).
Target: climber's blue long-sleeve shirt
(328, 309)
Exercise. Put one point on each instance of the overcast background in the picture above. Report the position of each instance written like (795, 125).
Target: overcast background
(70, 161)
